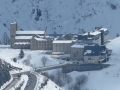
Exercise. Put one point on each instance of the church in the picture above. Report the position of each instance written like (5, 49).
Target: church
(33, 39)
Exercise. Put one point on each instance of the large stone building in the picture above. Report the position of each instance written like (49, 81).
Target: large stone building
(34, 40)
(89, 48)
(62, 46)
(99, 36)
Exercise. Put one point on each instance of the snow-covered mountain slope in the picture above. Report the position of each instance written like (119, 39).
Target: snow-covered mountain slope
(62, 16)
(105, 79)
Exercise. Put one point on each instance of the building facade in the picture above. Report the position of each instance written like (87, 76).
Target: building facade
(34, 40)
(89, 48)
(83, 67)
(95, 53)
(62, 46)
(98, 36)
(77, 52)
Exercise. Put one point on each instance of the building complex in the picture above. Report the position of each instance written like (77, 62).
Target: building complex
(87, 47)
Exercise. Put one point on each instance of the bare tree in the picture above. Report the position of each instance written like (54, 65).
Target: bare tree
(74, 87)
(5, 37)
(68, 78)
(27, 61)
(58, 79)
(52, 77)
(44, 60)
(81, 80)
(117, 35)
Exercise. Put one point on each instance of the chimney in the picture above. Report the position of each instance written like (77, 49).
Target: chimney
(102, 37)
(88, 33)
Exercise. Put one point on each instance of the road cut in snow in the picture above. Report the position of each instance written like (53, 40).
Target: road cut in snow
(23, 82)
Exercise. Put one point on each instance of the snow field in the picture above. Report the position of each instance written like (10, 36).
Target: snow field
(23, 79)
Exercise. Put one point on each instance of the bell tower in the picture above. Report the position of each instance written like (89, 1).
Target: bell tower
(13, 29)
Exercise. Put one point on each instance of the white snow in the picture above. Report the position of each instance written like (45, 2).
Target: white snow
(63, 41)
(61, 16)
(40, 39)
(107, 78)
(87, 52)
(30, 32)
(96, 32)
(58, 53)
(23, 79)
(22, 43)
(77, 46)
(23, 37)
(50, 85)
(104, 29)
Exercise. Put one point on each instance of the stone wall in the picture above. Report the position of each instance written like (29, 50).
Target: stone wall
(83, 67)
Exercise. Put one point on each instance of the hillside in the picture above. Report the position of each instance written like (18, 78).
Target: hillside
(69, 16)
(105, 79)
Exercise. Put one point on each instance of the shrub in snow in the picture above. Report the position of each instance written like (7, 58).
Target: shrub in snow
(52, 77)
(21, 55)
(74, 87)
(14, 59)
(67, 78)
(81, 80)
(59, 82)
(44, 60)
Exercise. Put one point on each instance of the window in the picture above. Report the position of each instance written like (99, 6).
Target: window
(89, 58)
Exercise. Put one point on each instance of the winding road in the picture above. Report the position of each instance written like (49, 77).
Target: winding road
(30, 85)
(14, 81)
(32, 82)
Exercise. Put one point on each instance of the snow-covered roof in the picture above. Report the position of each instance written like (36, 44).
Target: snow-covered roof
(92, 50)
(40, 39)
(77, 46)
(93, 33)
(58, 53)
(103, 29)
(63, 41)
(22, 43)
(13, 23)
(87, 52)
(23, 37)
(30, 32)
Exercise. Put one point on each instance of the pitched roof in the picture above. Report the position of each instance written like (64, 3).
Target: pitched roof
(21, 43)
(30, 32)
(63, 41)
(92, 50)
(77, 46)
(93, 33)
(23, 37)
